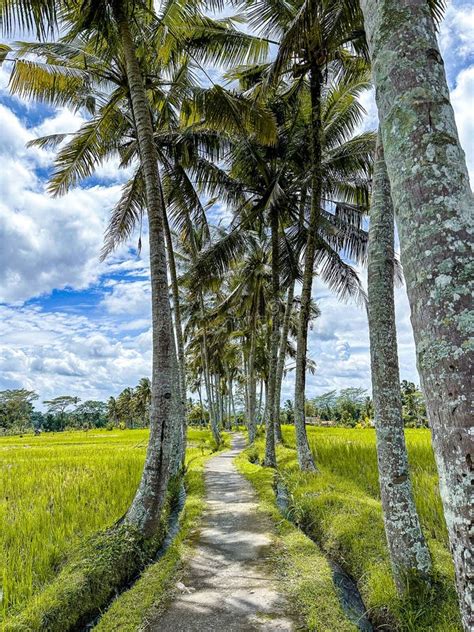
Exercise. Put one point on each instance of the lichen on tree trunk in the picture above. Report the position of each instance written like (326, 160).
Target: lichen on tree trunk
(305, 457)
(434, 210)
(408, 550)
(145, 510)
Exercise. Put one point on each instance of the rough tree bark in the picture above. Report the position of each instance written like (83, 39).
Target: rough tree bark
(434, 210)
(305, 457)
(180, 434)
(145, 509)
(409, 553)
(270, 455)
(281, 358)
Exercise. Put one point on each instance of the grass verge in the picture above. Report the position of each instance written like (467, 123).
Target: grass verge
(152, 591)
(340, 509)
(304, 571)
(95, 569)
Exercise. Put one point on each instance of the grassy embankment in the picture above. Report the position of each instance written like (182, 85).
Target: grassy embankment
(152, 592)
(340, 509)
(58, 488)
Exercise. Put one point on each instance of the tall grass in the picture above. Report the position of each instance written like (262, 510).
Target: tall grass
(340, 509)
(56, 488)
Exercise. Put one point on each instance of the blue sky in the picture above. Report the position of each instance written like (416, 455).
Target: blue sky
(72, 325)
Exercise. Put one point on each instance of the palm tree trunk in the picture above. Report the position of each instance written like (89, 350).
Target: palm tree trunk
(210, 396)
(180, 434)
(265, 403)
(408, 550)
(229, 399)
(252, 386)
(232, 401)
(281, 358)
(145, 509)
(246, 382)
(204, 345)
(200, 403)
(178, 439)
(305, 458)
(260, 401)
(434, 209)
(270, 455)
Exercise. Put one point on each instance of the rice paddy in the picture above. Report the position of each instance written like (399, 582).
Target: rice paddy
(340, 509)
(58, 487)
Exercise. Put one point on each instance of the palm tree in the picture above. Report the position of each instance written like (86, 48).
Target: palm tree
(433, 206)
(315, 40)
(142, 397)
(408, 550)
(275, 182)
(96, 21)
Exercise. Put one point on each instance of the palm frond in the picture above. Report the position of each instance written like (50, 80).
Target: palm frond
(126, 214)
(227, 111)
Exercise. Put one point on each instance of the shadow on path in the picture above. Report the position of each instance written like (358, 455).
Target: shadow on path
(227, 586)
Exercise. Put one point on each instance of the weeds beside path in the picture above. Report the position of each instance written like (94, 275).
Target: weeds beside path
(227, 583)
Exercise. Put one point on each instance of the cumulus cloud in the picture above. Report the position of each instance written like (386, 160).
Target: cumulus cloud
(57, 353)
(52, 244)
(456, 37)
(132, 298)
(462, 98)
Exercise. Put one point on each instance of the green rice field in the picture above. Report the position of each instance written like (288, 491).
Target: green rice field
(340, 509)
(57, 487)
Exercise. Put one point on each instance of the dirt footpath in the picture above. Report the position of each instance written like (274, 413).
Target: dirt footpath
(227, 586)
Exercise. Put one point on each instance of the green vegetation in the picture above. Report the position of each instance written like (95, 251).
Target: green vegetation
(354, 407)
(152, 591)
(340, 509)
(303, 570)
(93, 572)
(58, 488)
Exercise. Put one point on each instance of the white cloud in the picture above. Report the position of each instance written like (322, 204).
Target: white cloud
(456, 35)
(51, 244)
(129, 298)
(462, 98)
(57, 353)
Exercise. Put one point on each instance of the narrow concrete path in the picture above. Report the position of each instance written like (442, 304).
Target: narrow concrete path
(227, 584)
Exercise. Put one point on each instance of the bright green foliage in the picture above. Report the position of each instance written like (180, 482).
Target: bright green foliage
(57, 488)
(340, 509)
(152, 591)
(303, 570)
(91, 576)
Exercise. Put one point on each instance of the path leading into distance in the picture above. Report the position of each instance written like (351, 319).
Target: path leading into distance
(228, 586)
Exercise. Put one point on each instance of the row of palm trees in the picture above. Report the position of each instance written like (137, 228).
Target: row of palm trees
(132, 406)
(279, 148)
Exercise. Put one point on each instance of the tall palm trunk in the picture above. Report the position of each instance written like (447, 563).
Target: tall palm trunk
(281, 358)
(252, 382)
(232, 401)
(246, 381)
(145, 510)
(434, 209)
(180, 432)
(305, 458)
(260, 401)
(270, 455)
(408, 551)
(212, 405)
(204, 345)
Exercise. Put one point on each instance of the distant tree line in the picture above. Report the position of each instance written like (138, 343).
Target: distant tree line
(351, 407)
(130, 409)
